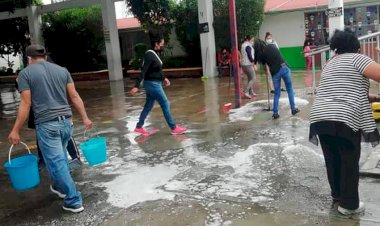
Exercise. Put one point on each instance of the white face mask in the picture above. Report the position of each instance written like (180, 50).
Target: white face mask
(269, 40)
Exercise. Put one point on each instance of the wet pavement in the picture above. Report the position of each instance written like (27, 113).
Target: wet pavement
(233, 168)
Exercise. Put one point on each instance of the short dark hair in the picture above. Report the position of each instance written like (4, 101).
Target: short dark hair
(344, 42)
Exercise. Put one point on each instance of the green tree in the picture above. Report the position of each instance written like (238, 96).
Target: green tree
(186, 27)
(11, 5)
(155, 16)
(74, 37)
(15, 37)
(249, 18)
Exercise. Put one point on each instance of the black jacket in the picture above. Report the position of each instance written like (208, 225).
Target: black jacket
(151, 68)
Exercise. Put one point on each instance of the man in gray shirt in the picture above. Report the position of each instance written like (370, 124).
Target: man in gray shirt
(45, 86)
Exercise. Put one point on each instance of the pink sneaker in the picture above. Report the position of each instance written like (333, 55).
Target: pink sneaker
(178, 130)
(246, 95)
(142, 131)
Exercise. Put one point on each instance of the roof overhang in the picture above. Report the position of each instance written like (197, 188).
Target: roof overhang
(130, 23)
(282, 6)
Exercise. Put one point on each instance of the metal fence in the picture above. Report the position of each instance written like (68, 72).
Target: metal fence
(368, 45)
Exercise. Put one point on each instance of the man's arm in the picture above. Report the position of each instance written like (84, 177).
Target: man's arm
(78, 104)
(23, 112)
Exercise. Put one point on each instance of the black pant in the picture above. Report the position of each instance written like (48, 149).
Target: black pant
(342, 163)
(72, 149)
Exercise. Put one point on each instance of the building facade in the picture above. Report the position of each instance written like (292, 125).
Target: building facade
(291, 22)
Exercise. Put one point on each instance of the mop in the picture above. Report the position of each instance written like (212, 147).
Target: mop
(268, 108)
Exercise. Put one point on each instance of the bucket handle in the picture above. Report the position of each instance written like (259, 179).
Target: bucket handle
(10, 151)
(93, 128)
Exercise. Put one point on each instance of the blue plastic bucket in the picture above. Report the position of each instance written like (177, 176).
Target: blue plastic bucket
(23, 171)
(95, 150)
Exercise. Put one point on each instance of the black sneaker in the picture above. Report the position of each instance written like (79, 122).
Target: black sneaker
(73, 208)
(295, 111)
(283, 90)
(272, 91)
(58, 193)
(275, 116)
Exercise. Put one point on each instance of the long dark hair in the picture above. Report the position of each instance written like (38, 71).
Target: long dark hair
(306, 43)
(155, 39)
(248, 37)
(259, 47)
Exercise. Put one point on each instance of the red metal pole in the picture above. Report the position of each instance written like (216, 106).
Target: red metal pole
(235, 54)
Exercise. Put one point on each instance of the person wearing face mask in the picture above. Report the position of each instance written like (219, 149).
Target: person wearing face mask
(269, 39)
(247, 59)
(153, 79)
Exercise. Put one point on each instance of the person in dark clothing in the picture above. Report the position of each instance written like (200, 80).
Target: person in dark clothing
(224, 59)
(271, 56)
(153, 78)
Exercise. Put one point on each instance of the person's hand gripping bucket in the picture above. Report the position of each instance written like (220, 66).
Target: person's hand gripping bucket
(94, 149)
(23, 170)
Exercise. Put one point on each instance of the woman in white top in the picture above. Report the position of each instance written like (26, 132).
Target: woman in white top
(247, 64)
(341, 115)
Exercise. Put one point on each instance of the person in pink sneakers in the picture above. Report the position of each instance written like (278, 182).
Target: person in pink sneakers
(153, 79)
(248, 66)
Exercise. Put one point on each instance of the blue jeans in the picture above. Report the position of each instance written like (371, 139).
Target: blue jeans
(53, 137)
(154, 91)
(285, 74)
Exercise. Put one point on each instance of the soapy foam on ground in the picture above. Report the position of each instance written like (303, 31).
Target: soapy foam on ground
(248, 111)
(140, 185)
(238, 173)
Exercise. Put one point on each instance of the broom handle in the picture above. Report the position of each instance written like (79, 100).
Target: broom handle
(10, 151)
(268, 90)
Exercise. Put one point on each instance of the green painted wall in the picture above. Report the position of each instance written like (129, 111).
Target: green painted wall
(294, 57)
